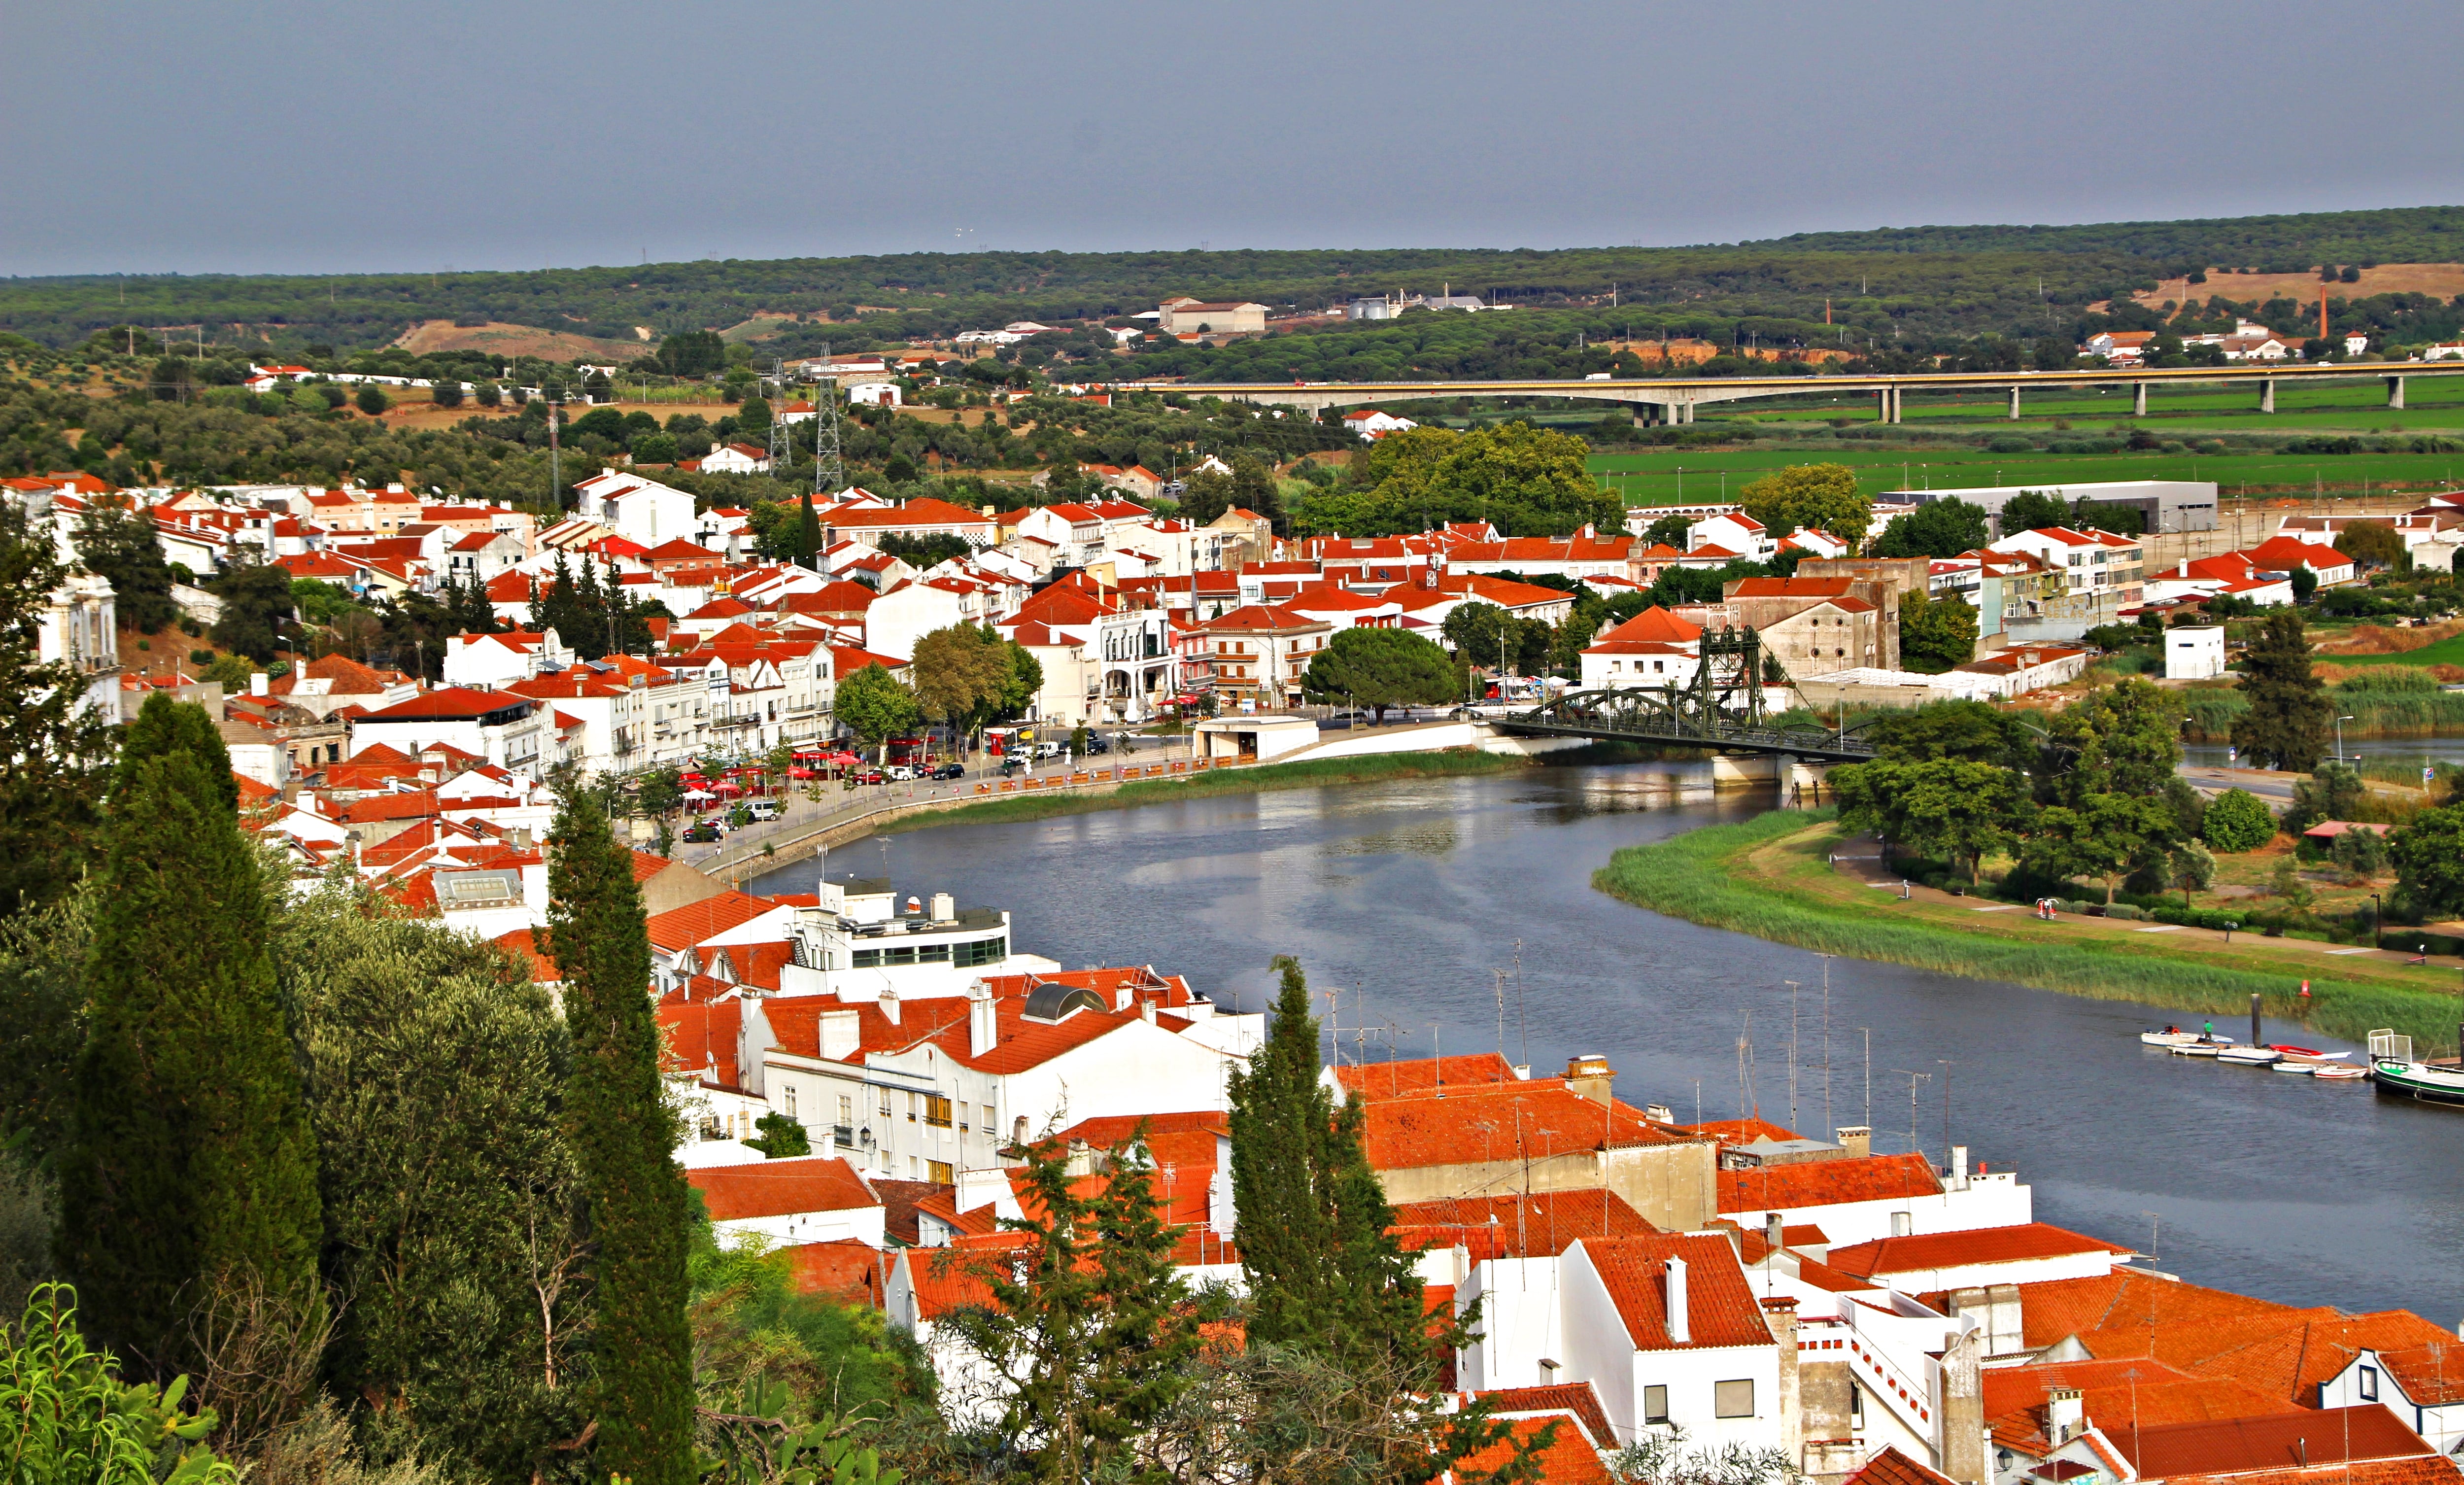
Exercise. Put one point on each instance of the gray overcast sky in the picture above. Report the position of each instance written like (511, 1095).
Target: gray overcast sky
(343, 136)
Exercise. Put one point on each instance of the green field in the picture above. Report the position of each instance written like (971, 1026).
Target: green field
(1670, 476)
(2432, 403)
(2446, 652)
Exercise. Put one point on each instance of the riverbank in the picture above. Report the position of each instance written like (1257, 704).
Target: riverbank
(1261, 778)
(1771, 876)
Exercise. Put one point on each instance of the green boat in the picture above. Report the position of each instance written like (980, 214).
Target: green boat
(2398, 1074)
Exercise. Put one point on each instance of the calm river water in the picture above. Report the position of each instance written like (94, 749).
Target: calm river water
(1408, 896)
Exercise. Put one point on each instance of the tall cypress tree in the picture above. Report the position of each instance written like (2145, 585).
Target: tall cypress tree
(625, 1140)
(805, 544)
(191, 1169)
(2289, 717)
(1325, 1273)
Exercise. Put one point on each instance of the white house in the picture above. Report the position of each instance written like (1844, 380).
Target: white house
(869, 394)
(1369, 425)
(1664, 1328)
(491, 660)
(638, 509)
(1653, 649)
(509, 731)
(736, 458)
(2195, 654)
(1735, 534)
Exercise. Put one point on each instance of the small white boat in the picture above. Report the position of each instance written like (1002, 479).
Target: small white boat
(2197, 1049)
(2339, 1070)
(2251, 1056)
(2173, 1036)
(2311, 1052)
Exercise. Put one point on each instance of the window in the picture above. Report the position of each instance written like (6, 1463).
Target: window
(846, 1109)
(1733, 1399)
(2368, 1382)
(885, 1103)
(911, 1108)
(1856, 1406)
(988, 1118)
(791, 1100)
(1655, 1404)
(938, 1173)
(982, 951)
(937, 1111)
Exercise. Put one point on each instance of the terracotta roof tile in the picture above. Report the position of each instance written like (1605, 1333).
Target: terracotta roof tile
(2280, 1441)
(1574, 1398)
(1827, 1182)
(1891, 1466)
(1720, 1308)
(1569, 1459)
(1958, 1249)
(781, 1187)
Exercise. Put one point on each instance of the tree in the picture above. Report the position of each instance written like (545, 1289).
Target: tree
(2333, 791)
(1818, 496)
(55, 749)
(1088, 1323)
(692, 353)
(2033, 510)
(1325, 1274)
(1973, 731)
(752, 415)
(114, 542)
(258, 608)
(1937, 528)
(445, 391)
(782, 1137)
(192, 1170)
(1529, 481)
(451, 1203)
(1935, 636)
(2238, 822)
(1255, 491)
(2105, 836)
(961, 674)
(372, 399)
(2429, 855)
(804, 541)
(2305, 581)
(1381, 668)
(2286, 726)
(1205, 495)
(1025, 680)
(1947, 808)
(875, 704)
(2372, 544)
(1668, 531)
(624, 1136)
(1483, 633)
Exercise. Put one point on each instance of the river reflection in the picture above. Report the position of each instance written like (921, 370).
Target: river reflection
(1405, 898)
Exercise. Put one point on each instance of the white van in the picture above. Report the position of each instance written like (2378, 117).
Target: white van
(763, 809)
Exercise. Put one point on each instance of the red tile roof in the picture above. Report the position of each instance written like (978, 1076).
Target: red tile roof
(1574, 1398)
(2280, 1441)
(1480, 1123)
(1655, 624)
(2422, 1469)
(2118, 1394)
(1720, 1307)
(684, 926)
(1517, 1226)
(1958, 1249)
(1828, 1182)
(845, 1271)
(1417, 1073)
(1569, 1459)
(781, 1187)
(1891, 1466)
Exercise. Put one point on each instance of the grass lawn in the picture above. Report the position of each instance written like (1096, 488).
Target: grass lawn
(1667, 477)
(1770, 877)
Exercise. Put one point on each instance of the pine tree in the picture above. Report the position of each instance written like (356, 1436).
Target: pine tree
(192, 1170)
(635, 1196)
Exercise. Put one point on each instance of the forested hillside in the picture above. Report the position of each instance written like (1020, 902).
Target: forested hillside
(1919, 287)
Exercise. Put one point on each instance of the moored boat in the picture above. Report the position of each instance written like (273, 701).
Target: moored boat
(2251, 1056)
(2339, 1070)
(2311, 1052)
(2175, 1036)
(2399, 1073)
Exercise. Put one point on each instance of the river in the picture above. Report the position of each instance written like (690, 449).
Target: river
(1407, 897)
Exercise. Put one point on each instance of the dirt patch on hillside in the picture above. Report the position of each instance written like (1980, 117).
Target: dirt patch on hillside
(512, 340)
(2379, 639)
(2444, 281)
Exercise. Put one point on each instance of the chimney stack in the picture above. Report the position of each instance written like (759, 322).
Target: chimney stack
(1773, 1231)
(888, 1003)
(1680, 1327)
(1959, 1167)
(983, 1025)
(1857, 1140)
(1900, 1224)
(1589, 1076)
(2065, 1414)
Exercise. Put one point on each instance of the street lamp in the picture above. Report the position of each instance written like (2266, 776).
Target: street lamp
(2340, 738)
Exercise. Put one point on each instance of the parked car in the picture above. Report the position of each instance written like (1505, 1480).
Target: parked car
(873, 776)
(1048, 750)
(703, 831)
(951, 771)
(1097, 742)
(900, 773)
(763, 809)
